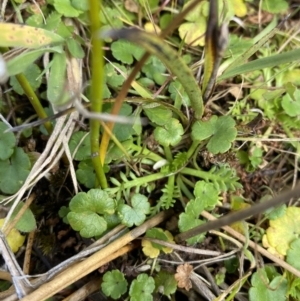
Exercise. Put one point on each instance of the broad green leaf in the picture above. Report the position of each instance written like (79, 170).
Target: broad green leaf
(291, 105)
(159, 115)
(14, 239)
(114, 284)
(85, 209)
(75, 48)
(27, 222)
(165, 283)
(33, 75)
(14, 35)
(206, 193)
(7, 142)
(265, 290)
(294, 288)
(85, 173)
(194, 207)
(178, 93)
(80, 141)
(202, 130)
(142, 288)
(224, 134)
(111, 16)
(136, 214)
(14, 171)
(275, 7)
(187, 222)
(293, 254)
(112, 76)
(221, 130)
(52, 21)
(170, 133)
(65, 8)
(82, 5)
(125, 51)
(154, 69)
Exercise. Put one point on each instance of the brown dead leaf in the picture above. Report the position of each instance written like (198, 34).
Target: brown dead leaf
(183, 276)
(131, 6)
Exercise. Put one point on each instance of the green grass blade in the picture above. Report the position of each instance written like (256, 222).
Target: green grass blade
(266, 62)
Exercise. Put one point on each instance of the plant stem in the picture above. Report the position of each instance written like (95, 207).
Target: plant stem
(96, 89)
(198, 173)
(35, 102)
(139, 182)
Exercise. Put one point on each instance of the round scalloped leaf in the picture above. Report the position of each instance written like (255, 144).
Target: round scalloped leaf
(224, 134)
(14, 239)
(14, 35)
(293, 254)
(83, 152)
(85, 209)
(165, 283)
(14, 171)
(206, 193)
(265, 290)
(284, 230)
(187, 222)
(142, 288)
(170, 133)
(136, 214)
(125, 51)
(65, 8)
(7, 142)
(114, 284)
(291, 105)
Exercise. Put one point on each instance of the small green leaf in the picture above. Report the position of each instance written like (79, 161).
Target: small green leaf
(125, 51)
(114, 284)
(265, 290)
(195, 207)
(170, 134)
(65, 8)
(82, 5)
(136, 214)
(142, 288)
(7, 142)
(75, 48)
(27, 222)
(293, 253)
(63, 212)
(32, 73)
(275, 7)
(165, 283)
(221, 129)
(206, 193)
(85, 173)
(154, 69)
(56, 87)
(291, 106)
(84, 149)
(112, 76)
(187, 222)
(85, 210)
(159, 115)
(14, 171)
(177, 92)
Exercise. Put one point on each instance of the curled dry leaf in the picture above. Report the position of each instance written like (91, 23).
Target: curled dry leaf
(183, 276)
